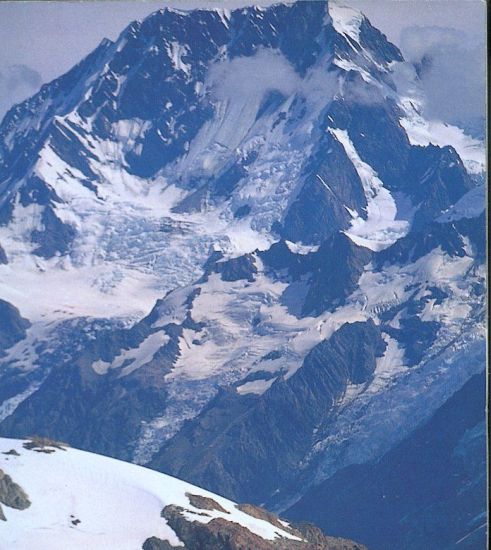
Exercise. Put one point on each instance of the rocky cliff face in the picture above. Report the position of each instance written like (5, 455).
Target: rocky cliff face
(11, 494)
(410, 483)
(258, 449)
(13, 326)
(221, 534)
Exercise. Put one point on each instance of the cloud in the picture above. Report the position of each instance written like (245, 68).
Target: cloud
(267, 71)
(450, 65)
(255, 75)
(17, 82)
(356, 90)
(17, 76)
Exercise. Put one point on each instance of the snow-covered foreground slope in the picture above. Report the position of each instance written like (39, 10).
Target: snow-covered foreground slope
(54, 497)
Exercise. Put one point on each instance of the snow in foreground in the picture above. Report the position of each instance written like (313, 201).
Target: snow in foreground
(83, 500)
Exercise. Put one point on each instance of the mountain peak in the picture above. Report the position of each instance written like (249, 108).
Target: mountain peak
(313, 247)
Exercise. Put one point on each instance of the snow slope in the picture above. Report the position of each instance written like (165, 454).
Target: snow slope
(81, 500)
(381, 228)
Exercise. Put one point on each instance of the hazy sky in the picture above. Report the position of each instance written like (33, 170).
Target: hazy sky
(41, 40)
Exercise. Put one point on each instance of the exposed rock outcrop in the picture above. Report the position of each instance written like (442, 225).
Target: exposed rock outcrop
(220, 534)
(44, 444)
(3, 256)
(12, 327)
(12, 494)
(247, 454)
(205, 503)
(412, 481)
(154, 543)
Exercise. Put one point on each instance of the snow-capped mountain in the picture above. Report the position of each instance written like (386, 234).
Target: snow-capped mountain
(233, 249)
(54, 497)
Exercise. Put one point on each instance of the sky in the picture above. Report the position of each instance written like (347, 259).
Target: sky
(42, 39)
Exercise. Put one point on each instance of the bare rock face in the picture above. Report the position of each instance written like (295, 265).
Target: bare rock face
(154, 543)
(205, 503)
(44, 445)
(14, 326)
(12, 495)
(209, 451)
(317, 540)
(221, 534)
(260, 513)
(12, 452)
(3, 256)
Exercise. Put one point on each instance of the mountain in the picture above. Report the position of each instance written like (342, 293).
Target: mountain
(251, 262)
(53, 496)
(403, 483)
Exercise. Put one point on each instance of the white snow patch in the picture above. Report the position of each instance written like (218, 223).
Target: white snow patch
(255, 386)
(381, 228)
(470, 205)
(345, 20)
(224, 15)
(176, 52)
(244, 239)
(128, 131)
(172, 309)
(9, 405)
(348, 65)
(388, 367)
(136, 357)
(118, 504)
(423, 132)
(298, 248)
(88, 291)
